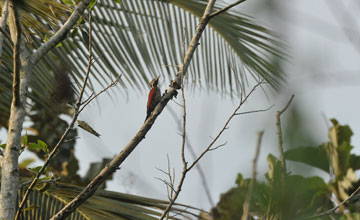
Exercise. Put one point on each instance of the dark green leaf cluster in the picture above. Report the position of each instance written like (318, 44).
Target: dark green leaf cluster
(290, 196)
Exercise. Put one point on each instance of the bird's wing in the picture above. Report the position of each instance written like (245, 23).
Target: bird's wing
(151, 96)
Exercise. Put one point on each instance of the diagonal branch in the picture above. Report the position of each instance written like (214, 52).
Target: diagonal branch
(140, 135)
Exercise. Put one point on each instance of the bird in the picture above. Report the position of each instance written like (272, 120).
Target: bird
(154, 96)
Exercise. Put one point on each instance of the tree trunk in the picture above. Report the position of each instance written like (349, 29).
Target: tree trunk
(10, 170)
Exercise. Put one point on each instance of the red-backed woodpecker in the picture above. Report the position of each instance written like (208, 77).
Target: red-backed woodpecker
(154, 96)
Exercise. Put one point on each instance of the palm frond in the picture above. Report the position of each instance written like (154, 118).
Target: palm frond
(145, 38)
(47, 199)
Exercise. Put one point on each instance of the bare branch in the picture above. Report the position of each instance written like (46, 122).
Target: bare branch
(92, 97)
(279, 133)
(242, 101)
(246, 207)
(226, 8)
(183, 159)
(193, 155)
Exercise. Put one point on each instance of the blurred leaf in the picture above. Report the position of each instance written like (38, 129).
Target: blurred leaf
(118, 1)
(39, 145)
(275, 169)
(35, 169)
(45, 178)
(25, 140)
(307, 196)
(339, 134)
(68, 2)
(231, 202)
(87, 127)
(354, 162)
(3, 146)
(29, 208)
(26, 162)
(33, 146)
(91, 4)
(312, 156)
(43, 146)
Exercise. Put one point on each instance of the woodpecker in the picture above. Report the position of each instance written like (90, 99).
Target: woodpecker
(154, 96)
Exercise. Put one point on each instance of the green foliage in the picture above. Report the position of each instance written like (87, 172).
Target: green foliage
(41, 145)
(291, 196)
(312, 156)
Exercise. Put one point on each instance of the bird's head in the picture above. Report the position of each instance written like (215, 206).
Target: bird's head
(154, 82)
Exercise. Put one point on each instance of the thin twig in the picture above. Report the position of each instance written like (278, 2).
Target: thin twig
(226, 8)
(220, 145)
(279, 133)
(331, 211)
(112, 84)
(183, 159)
(198, 166)
(246, 207)
(255, 111)
(242, 101)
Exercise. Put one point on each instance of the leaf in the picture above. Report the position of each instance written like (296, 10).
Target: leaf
(307, 195)
(36, 169)
(91, 4)
(88, 128)
(25, 140)
(59, 44)
(74, 32)
(86, 38)
(45, 178)
(312, 156)
(3, 146)
(275, 169)
(354, 162)
(33, 146)
(41, 145)
(31, 208)
(68, 2)
(26, 162)
(339, 134)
